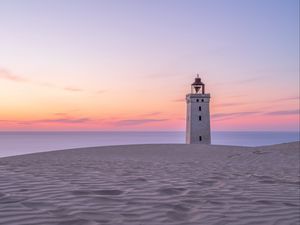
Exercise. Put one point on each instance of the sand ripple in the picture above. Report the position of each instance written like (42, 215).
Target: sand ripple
(152, 185)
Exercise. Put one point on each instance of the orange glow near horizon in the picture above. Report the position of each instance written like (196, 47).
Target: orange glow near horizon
(159, 114)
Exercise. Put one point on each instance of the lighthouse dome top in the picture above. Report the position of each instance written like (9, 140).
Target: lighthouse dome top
(197, 81)
(198, 87)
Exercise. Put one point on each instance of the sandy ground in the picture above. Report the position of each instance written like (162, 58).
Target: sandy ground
(152, 184)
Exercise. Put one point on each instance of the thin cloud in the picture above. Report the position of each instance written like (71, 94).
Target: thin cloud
(152, 114)
(100, 91)
(65, 120)
(243, 81)
(236, 96)
(46, 84)
(226, 116)
(249, 80)
(229, 104)
(220, 115)
(67, 88)
(60, 114)
(288, 98)
(162, 75)
(284, 112)
(179, 100)
(5, 74)
(73, 89)
(246, 80)
(58, 120)
(9, 121)
(137, 122)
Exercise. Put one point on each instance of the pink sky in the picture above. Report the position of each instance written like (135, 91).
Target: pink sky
(127, 65)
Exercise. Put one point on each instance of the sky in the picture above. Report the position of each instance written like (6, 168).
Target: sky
(107, 65)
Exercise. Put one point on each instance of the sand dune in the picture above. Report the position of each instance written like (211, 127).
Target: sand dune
(152, 185)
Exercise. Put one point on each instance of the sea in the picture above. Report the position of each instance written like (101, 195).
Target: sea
(18, 143)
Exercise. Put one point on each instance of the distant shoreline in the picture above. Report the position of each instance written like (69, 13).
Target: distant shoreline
(154, 145)
(29, 142)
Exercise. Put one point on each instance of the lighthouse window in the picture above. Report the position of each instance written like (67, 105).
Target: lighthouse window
(200, 138)
(197, 100)
(200, 118)
(202, 100)
(199, 108)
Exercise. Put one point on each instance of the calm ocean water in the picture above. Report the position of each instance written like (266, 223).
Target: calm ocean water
(17, 143)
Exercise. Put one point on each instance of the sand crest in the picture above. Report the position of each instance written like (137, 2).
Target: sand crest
(152, 185)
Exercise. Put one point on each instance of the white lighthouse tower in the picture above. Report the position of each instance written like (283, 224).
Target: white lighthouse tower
(198, 117)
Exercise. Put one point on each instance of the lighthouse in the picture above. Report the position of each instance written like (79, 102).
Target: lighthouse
(198, 117)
